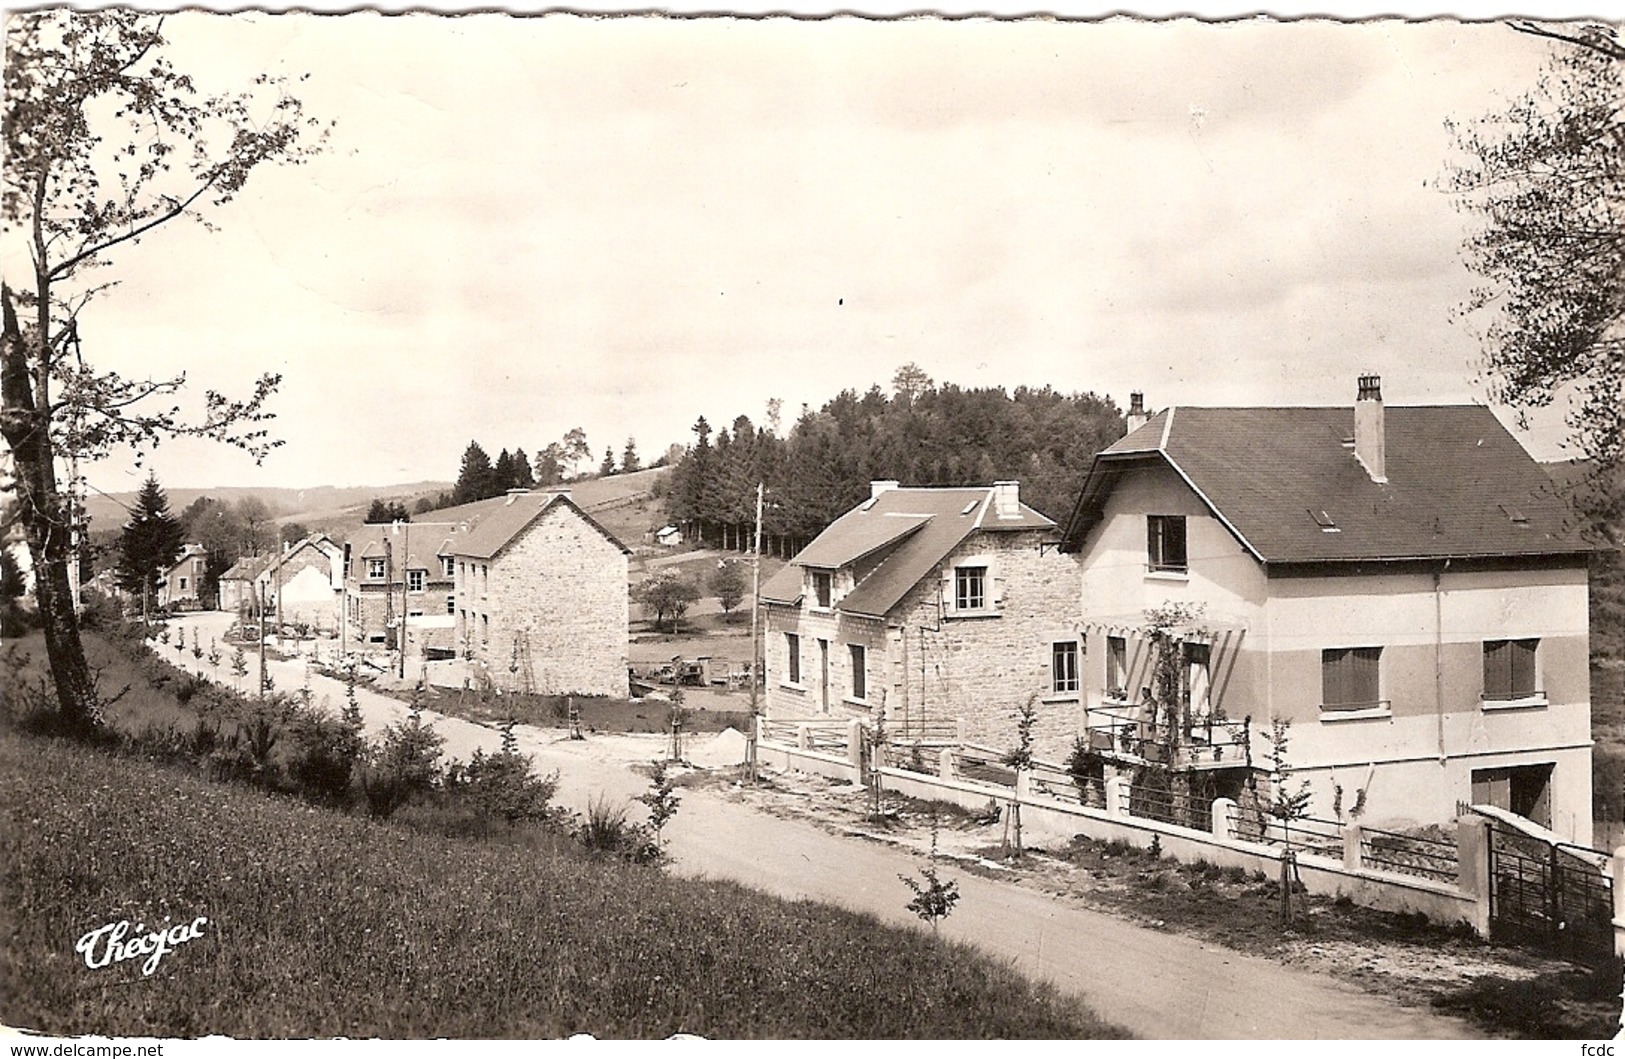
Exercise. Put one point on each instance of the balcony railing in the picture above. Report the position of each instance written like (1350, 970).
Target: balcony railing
(1123, 733)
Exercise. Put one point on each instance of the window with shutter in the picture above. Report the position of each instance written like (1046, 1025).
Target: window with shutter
(1509, 669)
(1350, 678)
(1116, 668)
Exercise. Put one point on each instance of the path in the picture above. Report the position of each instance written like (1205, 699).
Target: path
(1156, 984)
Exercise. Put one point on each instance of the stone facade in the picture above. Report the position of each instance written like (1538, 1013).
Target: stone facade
(927, 665)
(557, 592)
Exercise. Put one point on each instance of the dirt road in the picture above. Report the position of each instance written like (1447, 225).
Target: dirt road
(1156, 984)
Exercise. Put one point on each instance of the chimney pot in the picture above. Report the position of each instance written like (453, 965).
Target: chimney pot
(1137, 416)
(883, 485)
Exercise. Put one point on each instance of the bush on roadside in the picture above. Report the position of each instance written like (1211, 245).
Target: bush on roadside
(402, 766)
(322, 754)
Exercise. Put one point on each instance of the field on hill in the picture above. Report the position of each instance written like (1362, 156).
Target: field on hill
(311, 923)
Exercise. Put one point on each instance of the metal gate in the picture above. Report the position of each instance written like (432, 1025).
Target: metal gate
(1553, 896)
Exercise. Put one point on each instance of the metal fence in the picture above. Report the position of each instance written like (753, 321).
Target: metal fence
(1419, 855)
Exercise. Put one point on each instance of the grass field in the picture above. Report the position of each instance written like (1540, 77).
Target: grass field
(322, 925)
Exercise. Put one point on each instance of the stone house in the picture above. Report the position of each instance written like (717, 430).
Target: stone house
(178, 586)
(541, 597)
(948, 608)
(304, 584)
(239, 584)
(1398, 584)
(398, 574)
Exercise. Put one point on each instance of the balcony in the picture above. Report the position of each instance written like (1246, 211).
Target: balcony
(1121, 733)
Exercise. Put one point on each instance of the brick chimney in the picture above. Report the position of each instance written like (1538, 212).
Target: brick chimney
(1370, 443)
(884, 485)
(1007, 499)
(1136, 411)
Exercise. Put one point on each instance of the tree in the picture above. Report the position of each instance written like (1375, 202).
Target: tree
(105, 142)
(910, 382)
(502, 473)
(574, 448)
(729, 583)
(392, 511)
(522, 476)
(607, 468)
(1546, 178)
(629, 457)
(668, 594)
(476, 479)
(550, 465)
(150, 544)
(293, 532)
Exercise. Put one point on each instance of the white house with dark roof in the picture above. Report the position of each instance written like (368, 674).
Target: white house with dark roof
(947, 607)
(1397, 583)
(178, 586)
(541, 597)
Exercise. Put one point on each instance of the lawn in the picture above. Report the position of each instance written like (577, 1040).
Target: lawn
(321, 924)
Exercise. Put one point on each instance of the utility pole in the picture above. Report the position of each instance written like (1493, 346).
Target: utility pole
(755, 641)
(389, 584)
(406, 562)
(259, 598)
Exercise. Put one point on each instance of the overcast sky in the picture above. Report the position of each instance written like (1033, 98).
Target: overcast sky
(527, 225)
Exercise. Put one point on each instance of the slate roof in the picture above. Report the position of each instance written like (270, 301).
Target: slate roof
(427, 541)
(511, 515)
(915, 528)
(1459, 485)
(247, 568)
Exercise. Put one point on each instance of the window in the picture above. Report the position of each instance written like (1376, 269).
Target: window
(451, 605)
(823, 587)
(485, 628)
(860, 674)
(1165, 543)
(970, 588)
(1348, 677)
(415, 580)
(1064, 667)
(375, 569)
(1509, 669)
(448, 567)
(1116, 667)
(1198, 679)
(792, 648)
(183, 583)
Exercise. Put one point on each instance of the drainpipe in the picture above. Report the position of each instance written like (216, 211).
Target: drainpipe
(1438, 655)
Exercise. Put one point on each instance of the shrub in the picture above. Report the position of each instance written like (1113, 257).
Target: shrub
(323, 755)
(404, 764)
(502, 786)
(605, 830)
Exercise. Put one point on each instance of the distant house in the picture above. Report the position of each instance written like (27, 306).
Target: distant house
(178, 586)
(947, 608)
(238, 585)
(541, 597)
(668, 536)
(1397, 583)
(398, 575)
(305, 582)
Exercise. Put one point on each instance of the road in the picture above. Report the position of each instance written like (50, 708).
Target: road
(1156, 984)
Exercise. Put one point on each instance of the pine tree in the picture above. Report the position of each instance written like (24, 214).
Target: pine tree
(476, 478)
(607, 468)
(629, 457)
(502, 473)
(522, 476)
(152, 541)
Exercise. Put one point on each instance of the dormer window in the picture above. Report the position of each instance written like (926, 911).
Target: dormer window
(375, 569)
(823, 588)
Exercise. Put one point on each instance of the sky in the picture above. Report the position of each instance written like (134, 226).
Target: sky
(524, 225)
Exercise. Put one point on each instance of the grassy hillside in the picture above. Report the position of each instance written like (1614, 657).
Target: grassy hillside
(321, 925)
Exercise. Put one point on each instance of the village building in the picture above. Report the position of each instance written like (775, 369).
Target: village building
(179, 585)
(238, 586)
(541, 597)
(399, 575)
(304, 584)
(946, 608)
(1398, 584)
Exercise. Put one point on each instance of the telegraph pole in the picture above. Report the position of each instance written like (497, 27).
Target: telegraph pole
(406, 562)
(755, 640)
